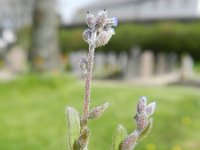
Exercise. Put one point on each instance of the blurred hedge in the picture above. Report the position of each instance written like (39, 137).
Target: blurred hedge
(166, 36)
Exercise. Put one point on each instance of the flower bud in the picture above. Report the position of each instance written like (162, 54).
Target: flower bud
(83, 65)
(101, 18)
(98, 111)
(87, 35)
(141, 104)
(130, 141)
(104, 37)
(141, 121)
(145, 132)
(90, 20)
(107, 27)
(150, 109)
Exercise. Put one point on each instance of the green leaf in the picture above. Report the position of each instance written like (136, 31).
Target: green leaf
(119, 136)
(73, 120)
(144, 133)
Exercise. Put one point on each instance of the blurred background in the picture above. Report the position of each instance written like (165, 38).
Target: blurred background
(155, 52)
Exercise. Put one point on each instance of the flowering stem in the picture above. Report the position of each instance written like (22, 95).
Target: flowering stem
(98, 34)
(88, 78)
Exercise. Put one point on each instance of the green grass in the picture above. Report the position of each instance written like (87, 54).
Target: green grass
(32, 114)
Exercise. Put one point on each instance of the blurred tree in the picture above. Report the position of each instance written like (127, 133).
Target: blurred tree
(44, 52)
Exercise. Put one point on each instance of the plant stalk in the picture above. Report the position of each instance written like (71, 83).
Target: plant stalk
(88, 78)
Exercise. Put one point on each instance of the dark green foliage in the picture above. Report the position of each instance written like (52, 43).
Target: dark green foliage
(71, 39)
(166, 36)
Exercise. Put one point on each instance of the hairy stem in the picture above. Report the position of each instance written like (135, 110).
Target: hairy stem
(88, 78)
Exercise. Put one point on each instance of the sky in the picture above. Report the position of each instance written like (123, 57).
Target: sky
(69, 7)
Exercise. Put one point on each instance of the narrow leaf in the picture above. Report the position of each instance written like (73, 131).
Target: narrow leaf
(141, 121)
(73, 120)
(141, 104)
(119, 136)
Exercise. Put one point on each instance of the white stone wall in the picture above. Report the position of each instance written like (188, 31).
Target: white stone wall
(145, 10)
(169, 9)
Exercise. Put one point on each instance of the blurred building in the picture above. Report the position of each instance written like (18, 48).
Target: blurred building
(144, 10)
(15, 13)
(18, 13)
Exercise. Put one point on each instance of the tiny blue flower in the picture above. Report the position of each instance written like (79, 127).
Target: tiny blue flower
(115, 21)
(112, 21)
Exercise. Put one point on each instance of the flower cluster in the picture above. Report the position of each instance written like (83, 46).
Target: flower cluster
(101, 25)
(98, 34)
(143, 114)
(123, 141)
